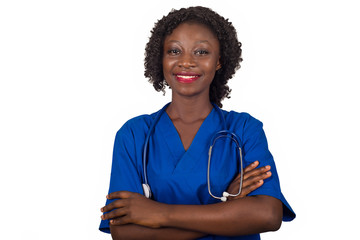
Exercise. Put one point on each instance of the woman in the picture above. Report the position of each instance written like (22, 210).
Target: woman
(195, 52)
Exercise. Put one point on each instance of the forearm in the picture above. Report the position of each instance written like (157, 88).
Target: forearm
(244, 216)
(238, 217)
(133, 231)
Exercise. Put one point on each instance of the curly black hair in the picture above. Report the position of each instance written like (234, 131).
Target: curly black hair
(230, 48)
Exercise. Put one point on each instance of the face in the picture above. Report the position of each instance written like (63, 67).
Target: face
(190, 60)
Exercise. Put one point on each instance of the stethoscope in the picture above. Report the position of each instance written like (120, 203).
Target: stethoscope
(220, 134)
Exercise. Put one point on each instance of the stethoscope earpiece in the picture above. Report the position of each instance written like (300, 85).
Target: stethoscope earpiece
(224, 196)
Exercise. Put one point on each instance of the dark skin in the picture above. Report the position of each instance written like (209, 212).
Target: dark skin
(253, 179)
(193, 51)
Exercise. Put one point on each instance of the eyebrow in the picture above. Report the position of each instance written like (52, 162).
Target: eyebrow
(197, 42)
(203, 41)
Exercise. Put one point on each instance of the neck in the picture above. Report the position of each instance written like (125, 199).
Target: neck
(189, 110)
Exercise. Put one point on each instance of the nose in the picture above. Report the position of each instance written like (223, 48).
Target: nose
(186, 61)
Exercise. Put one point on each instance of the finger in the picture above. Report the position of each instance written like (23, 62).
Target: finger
(119, 194)
(247, 181)
(254, 179)
(113, 205)
(251, 184)
(251, 166)
(257, 171)
(251, 188)
(247, 169)
(246, 190)
(120, 221)
(114, 214)
(251, 180)
(263, 176)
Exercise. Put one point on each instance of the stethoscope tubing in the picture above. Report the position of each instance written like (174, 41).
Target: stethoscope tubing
(147, 191)
(234, 138)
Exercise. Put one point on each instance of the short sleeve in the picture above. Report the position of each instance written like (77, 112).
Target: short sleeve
(255, 147)
(125, 175)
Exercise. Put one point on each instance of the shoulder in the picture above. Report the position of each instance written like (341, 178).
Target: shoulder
(137, 125)
(138, 121)
(241, 120)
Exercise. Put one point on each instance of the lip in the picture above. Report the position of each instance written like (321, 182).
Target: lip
(187, 77)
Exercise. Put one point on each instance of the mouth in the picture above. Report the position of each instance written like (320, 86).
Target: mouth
(187, 77)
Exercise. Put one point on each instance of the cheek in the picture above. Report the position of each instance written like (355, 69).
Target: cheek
(167, 66)
(210, 67)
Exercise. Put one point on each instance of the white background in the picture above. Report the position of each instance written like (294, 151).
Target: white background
(72, 73)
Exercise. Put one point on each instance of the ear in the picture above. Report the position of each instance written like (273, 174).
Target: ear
(218, 66)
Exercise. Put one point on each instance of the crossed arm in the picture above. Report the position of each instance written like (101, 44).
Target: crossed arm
(133, 216)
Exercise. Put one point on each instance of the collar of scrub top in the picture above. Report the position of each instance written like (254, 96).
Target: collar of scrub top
(220, 134)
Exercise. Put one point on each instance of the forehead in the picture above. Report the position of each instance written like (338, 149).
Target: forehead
(193, 32)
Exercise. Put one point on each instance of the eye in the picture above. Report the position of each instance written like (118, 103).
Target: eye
(173, 51)
(201, 52)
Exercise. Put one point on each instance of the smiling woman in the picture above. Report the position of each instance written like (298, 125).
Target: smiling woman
(222, 29)
(195, 52)
(191, 55)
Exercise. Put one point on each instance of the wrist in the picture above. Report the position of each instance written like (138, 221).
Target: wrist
(164, 214)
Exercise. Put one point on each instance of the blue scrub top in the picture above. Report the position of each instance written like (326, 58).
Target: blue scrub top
(177, 176)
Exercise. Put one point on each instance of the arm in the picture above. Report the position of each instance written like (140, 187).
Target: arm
(253, 178)
(133, 231)
(238, 217)
(244, 216)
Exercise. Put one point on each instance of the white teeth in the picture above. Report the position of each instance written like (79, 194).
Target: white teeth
(188, 77)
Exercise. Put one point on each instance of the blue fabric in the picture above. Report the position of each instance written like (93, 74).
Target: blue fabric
(177, 176)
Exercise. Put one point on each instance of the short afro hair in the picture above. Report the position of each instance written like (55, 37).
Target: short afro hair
(230, 48)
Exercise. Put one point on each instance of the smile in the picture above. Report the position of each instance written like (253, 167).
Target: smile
(187, 78)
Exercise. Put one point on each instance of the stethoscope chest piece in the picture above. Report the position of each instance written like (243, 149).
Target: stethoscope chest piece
(146, 189)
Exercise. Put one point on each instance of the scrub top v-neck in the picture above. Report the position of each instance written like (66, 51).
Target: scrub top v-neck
(183, 160)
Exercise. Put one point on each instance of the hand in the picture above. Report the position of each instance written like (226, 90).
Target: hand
(253, 179)
(133, 208)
